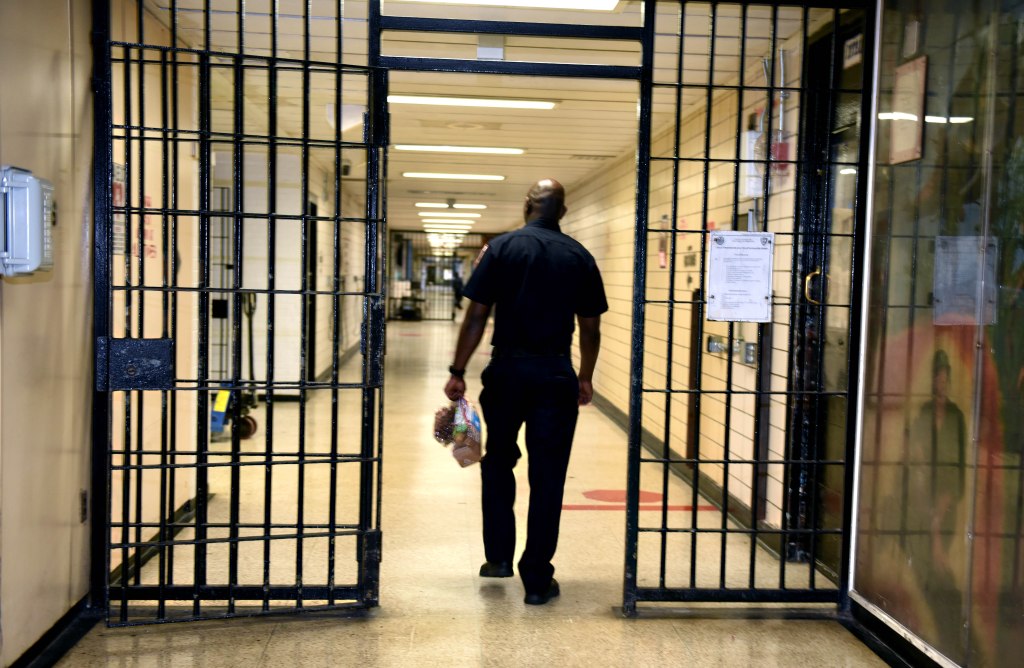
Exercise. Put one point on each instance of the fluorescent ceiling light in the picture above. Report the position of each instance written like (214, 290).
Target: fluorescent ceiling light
(447, 221)
(448, 226)
(442, 205)
(453, 177)
(470, 102)
(952, 119)
(848, 170)
(896, 116)
(449, 214)
(586, 5)
(489, 150)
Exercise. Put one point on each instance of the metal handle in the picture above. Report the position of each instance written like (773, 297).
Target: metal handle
(807, 286)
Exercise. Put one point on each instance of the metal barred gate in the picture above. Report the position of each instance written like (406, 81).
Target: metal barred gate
(744, 430)
(239, 380)
(240, 452)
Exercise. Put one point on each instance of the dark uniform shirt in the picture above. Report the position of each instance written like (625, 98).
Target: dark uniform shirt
(538, 279)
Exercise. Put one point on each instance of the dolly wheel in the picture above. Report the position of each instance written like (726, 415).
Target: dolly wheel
(246, 426)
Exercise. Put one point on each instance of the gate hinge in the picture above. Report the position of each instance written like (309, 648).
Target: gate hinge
(134, 364)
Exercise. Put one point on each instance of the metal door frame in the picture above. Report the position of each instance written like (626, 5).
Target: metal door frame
(633, 594)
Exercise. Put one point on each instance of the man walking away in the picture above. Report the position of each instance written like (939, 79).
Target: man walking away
(538, 281)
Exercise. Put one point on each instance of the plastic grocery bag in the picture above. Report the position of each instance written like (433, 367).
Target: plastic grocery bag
(459, 424)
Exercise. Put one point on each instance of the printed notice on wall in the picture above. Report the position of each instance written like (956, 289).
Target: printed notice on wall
(740, 276)
(965, 280)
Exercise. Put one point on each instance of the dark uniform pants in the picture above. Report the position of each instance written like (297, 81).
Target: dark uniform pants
(542, 392)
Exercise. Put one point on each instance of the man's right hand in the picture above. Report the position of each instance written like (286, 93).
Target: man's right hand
(455, 388)
(586, 392)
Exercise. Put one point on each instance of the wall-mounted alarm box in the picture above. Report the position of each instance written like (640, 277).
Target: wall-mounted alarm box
(26, 222)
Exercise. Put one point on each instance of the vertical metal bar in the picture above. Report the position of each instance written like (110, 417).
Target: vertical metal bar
(304, 260)
(140, 435)
(382, 289)
(861, 262)
(669, 343)
(332, 518)
(164, 329)
(709, 99)
(203, 398)
(268, 471)
(238, 178)
(126, 446)
(824, 239)
(744, 17)
(175, 166)
(795, 313)
(636, 399)
(99, 535)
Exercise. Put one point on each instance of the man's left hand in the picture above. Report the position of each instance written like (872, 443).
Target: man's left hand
(586, 392)
(455, 388)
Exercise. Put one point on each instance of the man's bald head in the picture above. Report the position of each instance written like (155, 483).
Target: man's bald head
(546, 199)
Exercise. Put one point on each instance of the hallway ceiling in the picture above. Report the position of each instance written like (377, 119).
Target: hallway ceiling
(592, 123)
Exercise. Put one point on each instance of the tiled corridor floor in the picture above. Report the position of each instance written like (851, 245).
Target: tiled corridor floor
(435, 610)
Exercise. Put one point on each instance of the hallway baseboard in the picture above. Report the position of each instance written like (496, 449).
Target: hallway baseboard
(61, 637)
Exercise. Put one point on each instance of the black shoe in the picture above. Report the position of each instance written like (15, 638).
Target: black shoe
(541, 599)
(502, 569)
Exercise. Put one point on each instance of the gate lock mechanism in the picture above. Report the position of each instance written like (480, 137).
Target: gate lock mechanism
(134, 364)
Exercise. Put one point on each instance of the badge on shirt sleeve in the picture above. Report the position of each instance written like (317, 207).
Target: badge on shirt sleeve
(480, 256)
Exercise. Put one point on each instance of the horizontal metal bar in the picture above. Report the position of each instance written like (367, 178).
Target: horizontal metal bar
(742, 530)
(822, 462)
(237, 539)
(671, 85)
(236, 291)
(227, 453)
(300, 63)
(275, 386)
(195, 136)
(574, 31)
(508, 67)
(775, 393)
(238, 592)
(738, 161)
(667, 595)
(229, 525)
(221, 213)
(215, 465)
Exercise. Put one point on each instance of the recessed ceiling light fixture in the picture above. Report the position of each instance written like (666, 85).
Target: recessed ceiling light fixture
(444, 205)
(447, 214)
(447, 230)
(430, 222)
(488, 150)
(586, 5)
(470, 102)
(453, 177)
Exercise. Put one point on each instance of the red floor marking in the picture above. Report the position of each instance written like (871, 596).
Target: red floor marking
(619, 496)
(595, 506)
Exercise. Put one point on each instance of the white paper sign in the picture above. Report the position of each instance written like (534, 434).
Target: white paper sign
(958, 280)
(740, 276)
